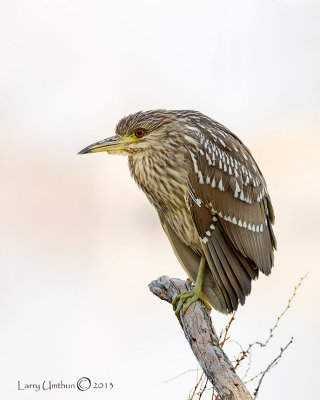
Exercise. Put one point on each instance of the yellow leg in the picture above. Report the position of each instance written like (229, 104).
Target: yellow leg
(192, 296)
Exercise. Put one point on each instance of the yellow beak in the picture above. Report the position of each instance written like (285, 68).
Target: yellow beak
(109, 144)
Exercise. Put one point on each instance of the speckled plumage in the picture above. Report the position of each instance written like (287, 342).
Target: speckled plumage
(211, 198)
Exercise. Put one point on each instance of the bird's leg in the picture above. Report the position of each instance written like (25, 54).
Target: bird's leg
(193, 296)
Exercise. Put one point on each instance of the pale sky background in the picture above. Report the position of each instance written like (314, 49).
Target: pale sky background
(80, 242)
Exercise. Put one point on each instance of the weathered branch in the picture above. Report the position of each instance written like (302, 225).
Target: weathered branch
(204, 342)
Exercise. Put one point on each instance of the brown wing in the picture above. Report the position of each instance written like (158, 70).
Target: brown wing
(231, 210)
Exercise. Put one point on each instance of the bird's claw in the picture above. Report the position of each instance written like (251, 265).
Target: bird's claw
(186, 299)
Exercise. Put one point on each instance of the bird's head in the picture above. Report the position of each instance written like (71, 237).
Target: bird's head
(143, 132)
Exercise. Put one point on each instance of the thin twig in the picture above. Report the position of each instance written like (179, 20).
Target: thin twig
(244, 353)
(195, 388)
(178, 376)
(226, 330)
(254, 377)
(271, 365)
(248, 366)
(203, 389)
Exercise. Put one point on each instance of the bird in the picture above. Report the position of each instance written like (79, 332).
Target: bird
(211, 198)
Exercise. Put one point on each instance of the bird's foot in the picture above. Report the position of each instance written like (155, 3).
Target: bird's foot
(186, 299)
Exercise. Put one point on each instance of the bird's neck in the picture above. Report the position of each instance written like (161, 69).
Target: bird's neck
(161, 175)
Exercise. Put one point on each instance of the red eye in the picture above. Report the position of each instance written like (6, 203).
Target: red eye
(139, 133)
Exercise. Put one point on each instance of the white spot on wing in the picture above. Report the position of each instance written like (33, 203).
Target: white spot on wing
(209, 159)
(197, 201)
(214, 136)
(220, 185)
(236, 192)
(195, 164)
(201, 181)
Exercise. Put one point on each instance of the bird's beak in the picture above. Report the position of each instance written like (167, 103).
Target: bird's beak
(109, 144)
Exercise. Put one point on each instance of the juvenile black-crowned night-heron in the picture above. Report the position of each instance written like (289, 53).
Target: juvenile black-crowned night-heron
(210, 195)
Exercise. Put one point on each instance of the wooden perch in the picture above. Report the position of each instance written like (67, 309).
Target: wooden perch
(204, 342)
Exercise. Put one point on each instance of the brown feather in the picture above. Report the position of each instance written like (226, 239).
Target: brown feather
(243, 241)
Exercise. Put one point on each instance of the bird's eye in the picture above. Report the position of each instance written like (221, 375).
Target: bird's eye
(139, 133)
